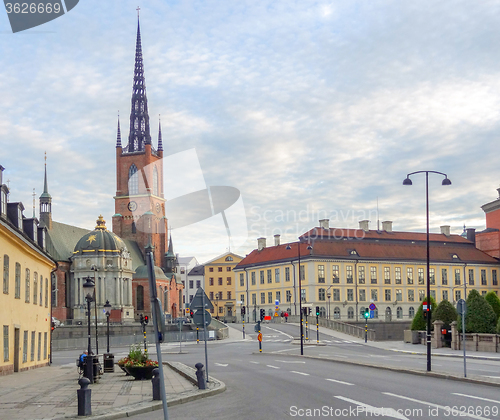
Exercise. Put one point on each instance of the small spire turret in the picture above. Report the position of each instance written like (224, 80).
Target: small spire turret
(118, 134)
(160, 143)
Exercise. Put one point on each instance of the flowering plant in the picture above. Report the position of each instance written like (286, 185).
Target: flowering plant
(136, 358)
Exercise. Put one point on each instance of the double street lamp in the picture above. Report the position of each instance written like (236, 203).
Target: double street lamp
(88, 287)
(309, 247)
(446, 181)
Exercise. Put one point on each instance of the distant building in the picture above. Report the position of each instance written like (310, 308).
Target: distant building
(196, 279)
(25, 302)
(343, 270)
(185, 266)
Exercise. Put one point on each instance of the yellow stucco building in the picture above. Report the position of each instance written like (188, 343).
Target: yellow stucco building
(25, 301)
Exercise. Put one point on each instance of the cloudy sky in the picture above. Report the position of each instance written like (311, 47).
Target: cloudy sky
(311, 109)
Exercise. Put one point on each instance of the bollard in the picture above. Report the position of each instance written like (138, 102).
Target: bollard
(200, 375)
(84, 395)
(155, 381)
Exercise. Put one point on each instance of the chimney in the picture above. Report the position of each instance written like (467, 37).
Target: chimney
(325, 224)
(276, 240)
(1, 170)
(445, 230)
(363, 224)
(471, 235)
(387, 226)
(261, 243)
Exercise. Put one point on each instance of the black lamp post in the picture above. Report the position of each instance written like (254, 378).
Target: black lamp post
(109, 358)
(107, 309)
(88, 287)
(446, 181)
(329, 295)
(300, 299)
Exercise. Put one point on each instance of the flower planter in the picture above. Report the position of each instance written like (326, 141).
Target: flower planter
(140, 372)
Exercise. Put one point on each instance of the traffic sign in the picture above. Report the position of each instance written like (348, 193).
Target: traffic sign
(372, 306)
(197, 302)
(372, 313)
(259, 337)
(198, 318)
(461, 307)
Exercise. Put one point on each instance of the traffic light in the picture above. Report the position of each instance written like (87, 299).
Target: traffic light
(309, 311)
(191, 313)
(243, 310)
(141, 319)
(366, 314)
(262, 314)
(317, 310)
(146, 320)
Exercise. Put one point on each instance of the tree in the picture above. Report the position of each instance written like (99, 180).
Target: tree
(446, 313)
(492, 299)
(419, 322)
(480, 317)
(498, 326)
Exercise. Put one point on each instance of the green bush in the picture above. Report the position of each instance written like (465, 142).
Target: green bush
(445, 312)
(419, 323)
(492, 299)
(480, 317)
(498, 326)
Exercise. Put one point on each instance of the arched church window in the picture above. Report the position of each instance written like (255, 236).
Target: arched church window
(142, 106)
(136, 123)
(136, 105)
(133, 180)
(136, 143)
(143, 125)
(140, 298)
(134, 229)
(155, 181)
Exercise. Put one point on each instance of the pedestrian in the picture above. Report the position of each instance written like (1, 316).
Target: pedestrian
(286, 316)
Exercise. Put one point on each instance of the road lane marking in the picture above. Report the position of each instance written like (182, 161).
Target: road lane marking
(256, 363)
(339, 382)
(274, 367)
(493, 377)
(299, 373)
(459, 413)
(279, 351)
(477, 398)
(387, 412)
(221, 364)
(289, 361)
(281, 332)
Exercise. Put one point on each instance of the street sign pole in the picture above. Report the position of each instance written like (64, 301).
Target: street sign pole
(462, 310)
(243, 327)
(317, 329)
(366, 330)
(197, 335)
(307, 329)
(205, 334)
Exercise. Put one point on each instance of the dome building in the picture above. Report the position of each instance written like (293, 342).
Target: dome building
(104, 257)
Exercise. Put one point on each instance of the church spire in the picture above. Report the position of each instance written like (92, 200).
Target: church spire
(139, 118)
(45, 202)
(160, 144)
(118, 134)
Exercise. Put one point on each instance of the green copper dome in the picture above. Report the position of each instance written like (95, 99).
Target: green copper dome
(99, 241)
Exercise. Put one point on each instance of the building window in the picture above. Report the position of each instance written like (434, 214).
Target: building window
(5, 343)
(303, 295)
(373, 275)
(221, 310)
(361, 275)
(288, 296)
(261, 276)
(397, 275)
(321, 294)
(444, 276)
(335, 274)
(387, 295)
(445, 294)
(228, 268)
(399, 312)
(211, 295)
(458, 295)
(287, 273)
(41, 289)
(191, 284)
(471, 277)
(433, 294)
(336, 313)
(432, 276)
(39, 354)
(140, 298)
(374, 295)
(399, 295)
(350, 313)
(302, 272)
(32, 353)
(28, 283)
(229, 258)
(269, 276)
(35, 288)
(457, 276)
(44, 345)
(254, 299)
(409, 275)
(420, 276)
(277, 275)
(228, 281)
(228, 295)
(219, 269)
(321, 273)
(336, 295)
(25, 346)
(262, 298)
(211, 281)
(350, 295)
(421, 294)
(494, 278)
(411, 295)
(6, 274)
(411, 312)
(387, 275)
(46, 293)
(362, 295)
(349, 274)
(483, 277)
(133, 180)
(211, 269)
(219, 281)
(242, 280)
(278, 296)
(269, 297)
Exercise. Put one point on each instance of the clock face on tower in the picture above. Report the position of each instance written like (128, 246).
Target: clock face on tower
(132, 206)
(158, 207)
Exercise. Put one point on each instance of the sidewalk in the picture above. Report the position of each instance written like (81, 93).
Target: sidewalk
(50, 393)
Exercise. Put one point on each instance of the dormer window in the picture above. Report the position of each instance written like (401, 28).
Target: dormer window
(19, 218)
(229, 258)
(353, 252)
(3, 208)
(454, 256)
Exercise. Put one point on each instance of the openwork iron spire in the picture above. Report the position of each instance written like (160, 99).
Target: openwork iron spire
(118, 134)
(139, 118)
(160, 143)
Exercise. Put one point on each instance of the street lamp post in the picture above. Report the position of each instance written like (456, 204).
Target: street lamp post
(329, 295)
(88, 287)
(446, 181)
(300, 299)
(109, 362)
(94, 269)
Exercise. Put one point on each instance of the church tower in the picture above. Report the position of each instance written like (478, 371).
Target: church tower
(139, 201)
(45, 201)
